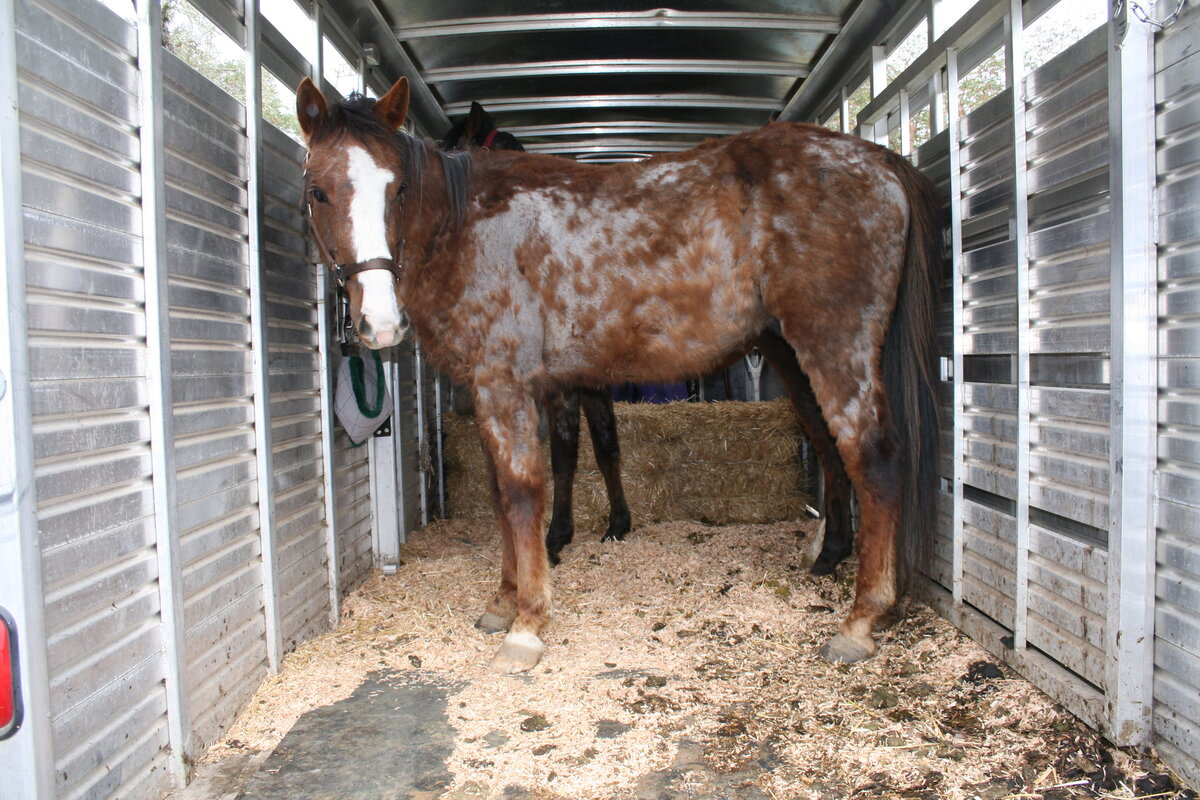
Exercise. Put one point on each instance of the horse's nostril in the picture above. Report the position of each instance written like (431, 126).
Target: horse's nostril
(365, 330)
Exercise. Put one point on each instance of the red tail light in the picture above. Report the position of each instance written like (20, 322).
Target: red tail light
(10, 690)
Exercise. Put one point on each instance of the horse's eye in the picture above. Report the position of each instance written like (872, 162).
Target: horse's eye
(401, 188)
(319, 195)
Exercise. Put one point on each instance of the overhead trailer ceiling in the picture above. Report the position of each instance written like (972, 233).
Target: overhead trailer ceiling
(616, 80)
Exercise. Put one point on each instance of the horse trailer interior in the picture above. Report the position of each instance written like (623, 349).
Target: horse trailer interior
(179, 507)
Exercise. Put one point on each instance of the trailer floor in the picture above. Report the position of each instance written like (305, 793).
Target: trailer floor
(681, 664)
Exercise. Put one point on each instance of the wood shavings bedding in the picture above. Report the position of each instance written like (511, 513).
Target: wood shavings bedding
(683, 663)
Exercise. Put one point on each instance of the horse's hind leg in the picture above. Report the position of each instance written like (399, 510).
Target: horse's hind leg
(508, 420)
(563, 409)
(851, 394)
(839, 533)
(602, 423)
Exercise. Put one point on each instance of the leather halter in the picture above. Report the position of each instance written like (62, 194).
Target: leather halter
(343, 272)
(490, 139)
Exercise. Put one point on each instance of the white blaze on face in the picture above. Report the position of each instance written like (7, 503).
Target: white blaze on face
(368, 232)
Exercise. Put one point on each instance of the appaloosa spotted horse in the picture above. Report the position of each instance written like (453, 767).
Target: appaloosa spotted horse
(563, 410)
(523, 274)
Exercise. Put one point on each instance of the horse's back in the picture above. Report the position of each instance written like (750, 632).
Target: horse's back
(682, 258)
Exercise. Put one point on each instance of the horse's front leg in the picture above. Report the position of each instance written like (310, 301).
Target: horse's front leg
(508, 420)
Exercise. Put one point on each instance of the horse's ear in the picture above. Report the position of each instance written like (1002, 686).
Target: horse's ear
(310, 107)
(393, 106)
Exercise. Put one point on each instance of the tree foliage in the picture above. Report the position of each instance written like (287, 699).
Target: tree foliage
(193, 38)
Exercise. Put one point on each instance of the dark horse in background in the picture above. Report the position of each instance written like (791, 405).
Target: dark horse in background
(524, 274)
(478, 130)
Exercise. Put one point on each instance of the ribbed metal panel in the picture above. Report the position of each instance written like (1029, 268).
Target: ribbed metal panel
(87, 355)
(1062, 605)
(295, 386)
(1177, 618)
(213, 387)
(352, 477)
(989, 336)
(1066, 112)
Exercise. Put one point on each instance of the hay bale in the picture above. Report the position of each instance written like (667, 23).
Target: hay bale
(719, 463)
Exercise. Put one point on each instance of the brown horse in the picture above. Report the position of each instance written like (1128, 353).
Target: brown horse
(524, 274)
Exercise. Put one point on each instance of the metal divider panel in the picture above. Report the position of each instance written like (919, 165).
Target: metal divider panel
(220, 548)
(1177, 589)
(989, 371)
(80, 153)
(352, 482)
(295, 385)
(409, 445)
(1067, 148)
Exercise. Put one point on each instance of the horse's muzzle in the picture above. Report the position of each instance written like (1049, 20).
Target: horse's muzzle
(386, 335)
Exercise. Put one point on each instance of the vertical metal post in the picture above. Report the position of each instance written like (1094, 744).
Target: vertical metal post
(905, 122)
(879, 130)
(1133, 387)
(422, 433)
(844, 110)
(326, 319)
(387, 487)
(328, 464)
(936, 120)
(1014, 61)
(259, 342)
(441, 447)
(959, 336)
(162, 423)
(27, 758)
(318, 65)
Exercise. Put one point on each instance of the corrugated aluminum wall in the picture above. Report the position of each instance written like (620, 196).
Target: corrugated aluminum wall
(352, 478)
(1067, 150)
(88, 362)
(1177, 619)
(1044, 529)
(109, 633)
(213, 388)
(296, 394)
(1045, 590)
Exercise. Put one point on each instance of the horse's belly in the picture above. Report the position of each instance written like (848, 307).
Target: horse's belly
(654, 339)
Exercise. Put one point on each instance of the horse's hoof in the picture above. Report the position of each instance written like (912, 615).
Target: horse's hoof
(824, 565)
(519, 652)
(492, 623)
(617, 528)
(841, 649)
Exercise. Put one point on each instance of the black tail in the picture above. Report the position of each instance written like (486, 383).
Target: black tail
(910, 371)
